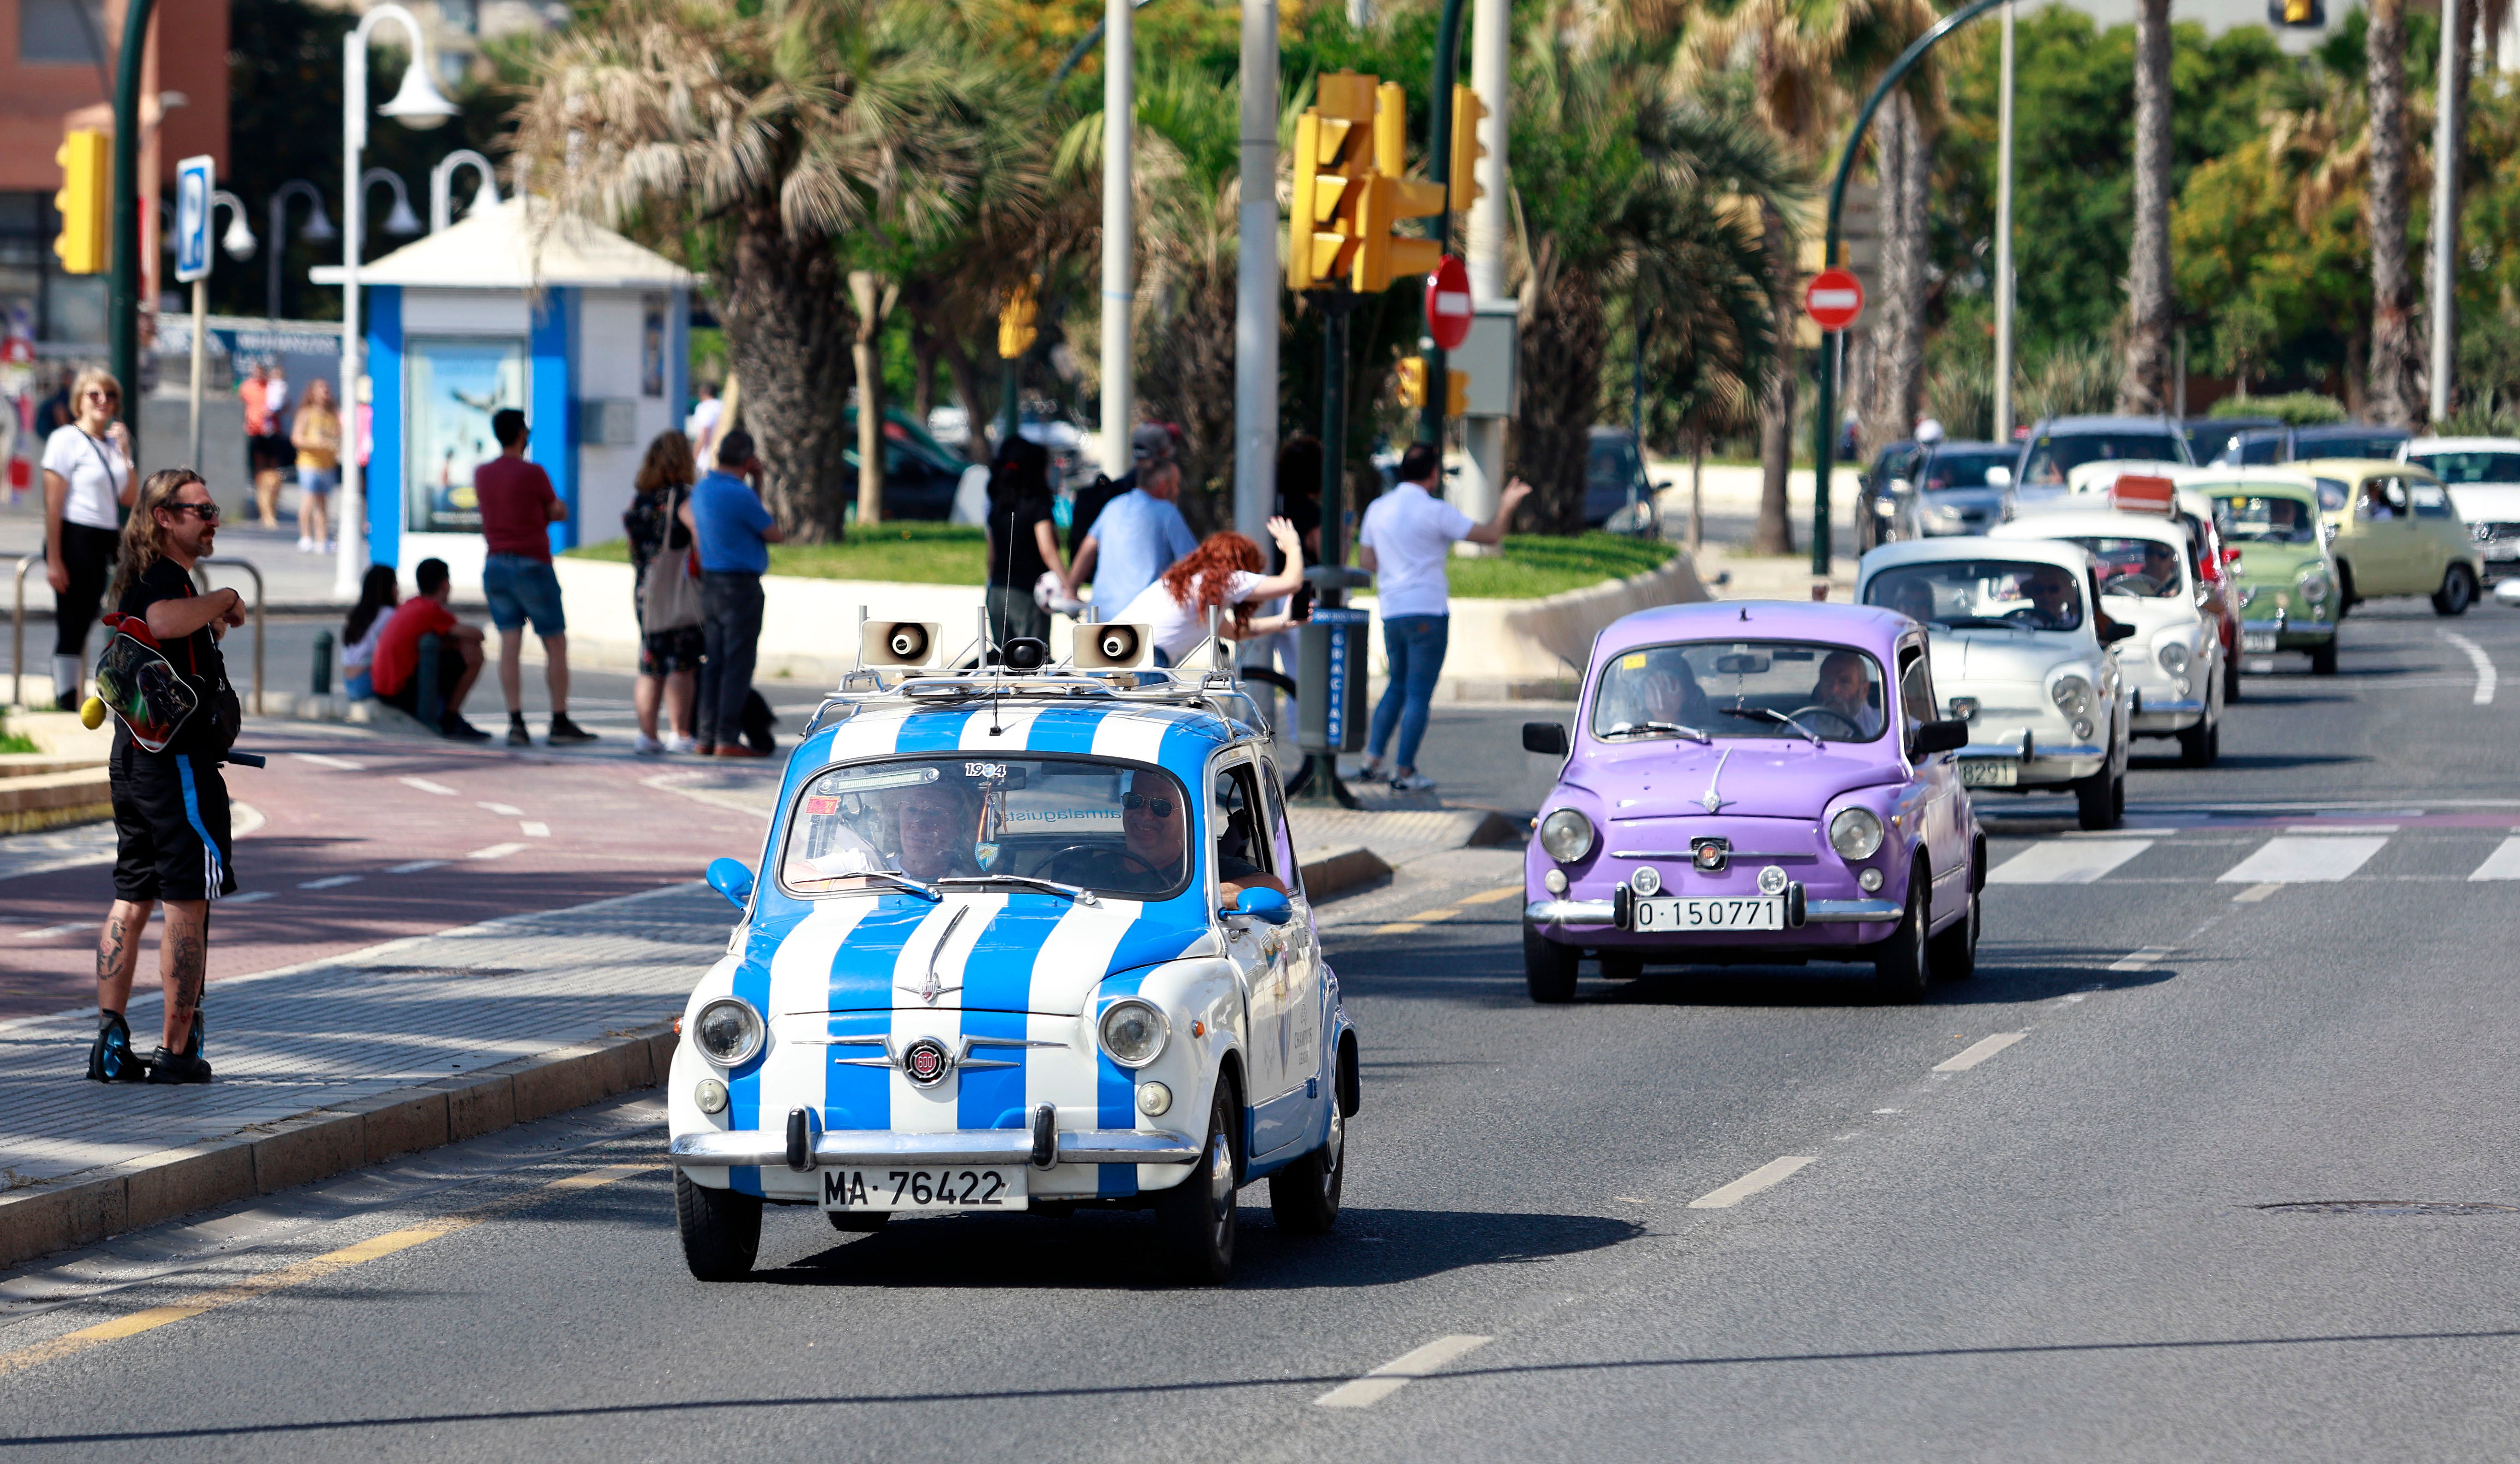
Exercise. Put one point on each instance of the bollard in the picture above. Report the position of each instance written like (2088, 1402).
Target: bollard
(322, 683)
(431, 710)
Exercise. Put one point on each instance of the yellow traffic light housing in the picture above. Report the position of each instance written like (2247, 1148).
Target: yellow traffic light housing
(1413, 381)
(86, 158)
(1468, 113)
(1390, 197)
(1334, 154)
(2296, 14)
(1016, 330)
(1457, 391)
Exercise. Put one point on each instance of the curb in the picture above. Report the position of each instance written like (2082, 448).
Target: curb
(1332, 872)
(82, 1208)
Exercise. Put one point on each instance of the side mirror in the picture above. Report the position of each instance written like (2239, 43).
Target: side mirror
(2115, 631)
(1264, 904)
(729, 877)
(1999, 476)
(1938, 737)
(1546, 738)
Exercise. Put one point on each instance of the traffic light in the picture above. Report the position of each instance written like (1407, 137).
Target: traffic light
(1390, 197)
(1015, 330)
(88, 185)
(1457, 391)
(1413, 386)
(1468, 113)
(2299, 14)
(1333, 156)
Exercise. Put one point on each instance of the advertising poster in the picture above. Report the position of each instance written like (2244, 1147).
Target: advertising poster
(455, 386)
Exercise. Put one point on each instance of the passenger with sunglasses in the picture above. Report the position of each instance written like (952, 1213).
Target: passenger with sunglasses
(1155, 829)
(87, 483)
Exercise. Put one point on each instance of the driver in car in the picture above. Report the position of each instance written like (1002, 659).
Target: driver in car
(1914, 599)
(1666, 691)
(2051, 600)
(1842, 690)
(1155, 831)
(2161, 566)
(937, 828)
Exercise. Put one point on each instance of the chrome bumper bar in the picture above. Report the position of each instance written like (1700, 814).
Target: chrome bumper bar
(2284, 625)
(1813, 912)
(1569, 912)
(1005, 1146)
(1851, 911)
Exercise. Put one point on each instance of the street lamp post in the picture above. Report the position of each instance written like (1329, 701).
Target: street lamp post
(419, 105)
(319, 230)
(442, 186)
(401, 222)
(239, 243)
(1120, 245)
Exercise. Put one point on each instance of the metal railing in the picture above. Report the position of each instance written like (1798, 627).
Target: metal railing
(201, 577)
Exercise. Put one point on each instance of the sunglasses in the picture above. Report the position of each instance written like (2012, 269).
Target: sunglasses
(99, 394)
(1159, 807)
(209, 512)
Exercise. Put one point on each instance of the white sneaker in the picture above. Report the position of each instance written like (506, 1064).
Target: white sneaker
(682, 744)
(305, 545)
(1411, 783)
(647, 746)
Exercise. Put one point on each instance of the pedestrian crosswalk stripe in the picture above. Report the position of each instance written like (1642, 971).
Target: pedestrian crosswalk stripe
(2305, 859)
(2501, 865)
(2066, 862)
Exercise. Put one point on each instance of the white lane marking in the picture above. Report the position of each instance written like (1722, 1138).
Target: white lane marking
(2255, 893)
(331, 882)
(2310, 860)
(504, 811)
(1400, 1371)
(326, 760)
(415, 866)
(1979, 1051)
(425, 786)
(2060, 863)
(2341, 828)
(2476, 658)
(1775, 1171)
(495, 852)
(57, 930)
(2501, 865)
(246, 898)
(535, 830)
(2141, 958)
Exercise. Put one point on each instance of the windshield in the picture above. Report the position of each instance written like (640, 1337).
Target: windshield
(1965, 470)
(1112, 827)
(2332, 494)
(2146, 569)
(2348, 446)
(2266, 521)
(2470, 467)
(1982, 593)
(2050, 457)
(1733, 689)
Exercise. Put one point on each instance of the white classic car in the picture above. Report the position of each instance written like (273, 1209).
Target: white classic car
(2150, 578)
(2019, 656)
(2483, 477)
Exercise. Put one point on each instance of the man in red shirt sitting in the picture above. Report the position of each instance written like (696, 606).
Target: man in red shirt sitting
(396, 669)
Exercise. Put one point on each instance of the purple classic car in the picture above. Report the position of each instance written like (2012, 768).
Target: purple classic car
(1755, 782)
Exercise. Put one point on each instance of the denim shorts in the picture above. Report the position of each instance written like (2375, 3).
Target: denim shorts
(521, 589)
(320, 481)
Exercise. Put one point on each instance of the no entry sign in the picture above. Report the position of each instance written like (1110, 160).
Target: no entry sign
(1447, 303)
(1834, 298)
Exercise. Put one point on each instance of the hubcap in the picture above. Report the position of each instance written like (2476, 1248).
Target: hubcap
(1220, 1187)
(1337, 1148)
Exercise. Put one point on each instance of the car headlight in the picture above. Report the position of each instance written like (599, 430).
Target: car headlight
(1133, 1033)
(2073, 696)
(2083, 728)
(1855, 833)
(2315, 586)
(1885, 507)
(1566, 836)
(2173, 657)
(728, 1032)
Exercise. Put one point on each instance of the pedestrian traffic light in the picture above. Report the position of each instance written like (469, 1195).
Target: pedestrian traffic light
(1413, 386)
(1015, 330)
(2300, 15)
(87, 183)
(1468, 113)
(1391, 196)
(1333, 156)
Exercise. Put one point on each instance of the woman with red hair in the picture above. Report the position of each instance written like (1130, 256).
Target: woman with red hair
(1221, 573)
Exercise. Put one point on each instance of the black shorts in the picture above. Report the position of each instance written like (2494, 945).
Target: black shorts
(170, 822)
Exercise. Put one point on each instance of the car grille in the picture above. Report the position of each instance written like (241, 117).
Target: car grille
(2493, 533)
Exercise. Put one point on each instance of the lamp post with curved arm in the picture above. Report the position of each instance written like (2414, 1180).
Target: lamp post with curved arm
(239, 243)
(319, 229)
(401, 222)
(418, 104)
(442, 186)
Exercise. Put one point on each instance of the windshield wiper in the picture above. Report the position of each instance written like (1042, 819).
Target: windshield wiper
(923, 892)
(1770, 714)
(1979, 622)
(1076, 892)
(1636, 729)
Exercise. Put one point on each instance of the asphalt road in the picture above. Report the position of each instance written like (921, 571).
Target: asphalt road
(2058, 1248)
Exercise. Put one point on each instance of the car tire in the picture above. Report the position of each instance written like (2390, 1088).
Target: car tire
(1903, 964)
(1549, 968)
(858, 1221)
(1622, 966)
(2346, 598)
(1196, 1217)
(2458, 591)
(2322, 660)
(2231, 678)
(1304, 1196)
(2200, 745)
(721, 1229)
(2095, 800)
(1952, 951)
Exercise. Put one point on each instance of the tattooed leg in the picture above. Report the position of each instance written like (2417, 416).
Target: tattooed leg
(183, 963)
(117, 952)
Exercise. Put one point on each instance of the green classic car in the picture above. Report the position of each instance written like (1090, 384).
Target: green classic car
(2277, 553)
(2393, 531)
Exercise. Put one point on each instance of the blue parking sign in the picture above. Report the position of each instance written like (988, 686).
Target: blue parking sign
(194, 181)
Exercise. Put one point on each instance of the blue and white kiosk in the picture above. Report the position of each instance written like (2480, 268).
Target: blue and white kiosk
(586, 331)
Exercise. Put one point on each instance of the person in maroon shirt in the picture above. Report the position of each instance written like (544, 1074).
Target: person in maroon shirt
(517, 510)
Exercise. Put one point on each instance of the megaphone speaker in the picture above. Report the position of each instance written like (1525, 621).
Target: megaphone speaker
(897, 643)
(1109, 648)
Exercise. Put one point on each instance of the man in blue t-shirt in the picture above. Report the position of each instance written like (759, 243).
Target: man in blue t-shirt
(1136, 539)
(735, 534)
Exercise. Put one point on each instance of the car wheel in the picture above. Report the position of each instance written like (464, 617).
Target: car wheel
(2346, 598)
(2117, 800)
(721, 1229)
(1197, 1216)
(1622, 966)
(2458, 591)
(2322, 660)
(2231, 679)
(858, 1221)
(2200, 745)
(1549, 968)
(2096, 805)
(1953, 951)
(1903, 964)
(1304, 1196)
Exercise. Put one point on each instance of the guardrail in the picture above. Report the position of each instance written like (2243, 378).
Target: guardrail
(201, 577)
(203, 580)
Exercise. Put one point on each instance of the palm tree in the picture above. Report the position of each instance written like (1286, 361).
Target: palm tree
(2396, 353)
(2143, 388)
(760, 140)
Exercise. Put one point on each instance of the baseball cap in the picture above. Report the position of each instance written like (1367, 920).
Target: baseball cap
(1151, 443)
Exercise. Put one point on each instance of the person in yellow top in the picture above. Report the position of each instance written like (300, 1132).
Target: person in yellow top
(317, 437)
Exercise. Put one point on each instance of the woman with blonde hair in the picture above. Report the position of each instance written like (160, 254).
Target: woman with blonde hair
(669, 656)
(317, 437)
(1221, 573)
(87, 481)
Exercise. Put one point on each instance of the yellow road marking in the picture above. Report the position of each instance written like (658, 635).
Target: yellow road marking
(71, 1343)
(1490, 896)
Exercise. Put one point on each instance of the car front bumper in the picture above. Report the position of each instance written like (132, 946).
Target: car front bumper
(1601, 912)
(2163, 717)
(2041, 764)
(840, 1147)
(2290, 634)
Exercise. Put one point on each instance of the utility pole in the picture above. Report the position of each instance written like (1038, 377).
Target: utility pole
(2004, 244)
(1257, 273)
(1119, 127)
(122, 318)
(2450, 131)
(1491, 52)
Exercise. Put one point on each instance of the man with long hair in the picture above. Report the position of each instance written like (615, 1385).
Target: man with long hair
(170, 807)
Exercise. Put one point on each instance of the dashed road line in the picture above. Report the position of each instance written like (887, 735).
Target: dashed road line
(2484, 664)
(1979, 1051)
(72, 927)
(2255, 893)
(1766, 1177)
(425, 786)
(415, 866)
(1399, 1372)
(495, 852)
(2141, 958)
(504, 811)
(535, 829)
(2306, 860)
(326, 760)
(1490, 896)
(2501, 865)
(246, 898)
(332, 882)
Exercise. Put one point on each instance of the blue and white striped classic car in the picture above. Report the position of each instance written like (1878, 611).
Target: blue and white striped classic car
(1020, 939)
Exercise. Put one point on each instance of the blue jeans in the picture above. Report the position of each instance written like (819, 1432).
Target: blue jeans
(731, 631)
(1415, 645)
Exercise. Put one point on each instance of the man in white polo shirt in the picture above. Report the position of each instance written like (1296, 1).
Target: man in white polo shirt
(1406, 535)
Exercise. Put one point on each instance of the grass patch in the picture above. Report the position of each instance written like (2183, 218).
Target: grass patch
(14, 742)
(1537, 565)
(910, 552)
